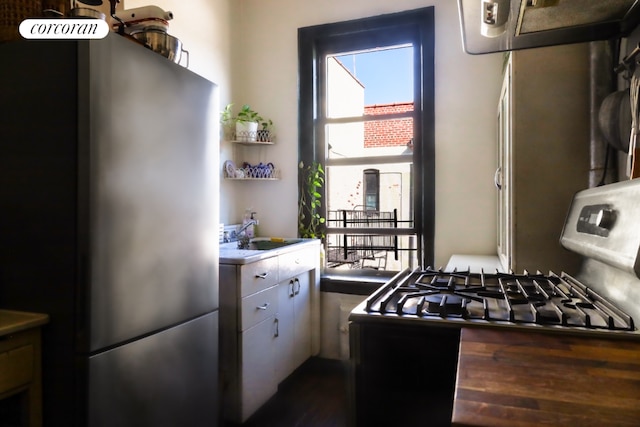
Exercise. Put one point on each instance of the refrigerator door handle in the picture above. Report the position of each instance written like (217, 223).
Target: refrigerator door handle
(496, 178)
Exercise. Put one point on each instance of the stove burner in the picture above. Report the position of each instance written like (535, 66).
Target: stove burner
(447, 304)
(577, 303)
(511, 298)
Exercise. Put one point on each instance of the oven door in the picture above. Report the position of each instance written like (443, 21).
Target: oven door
(402, 374)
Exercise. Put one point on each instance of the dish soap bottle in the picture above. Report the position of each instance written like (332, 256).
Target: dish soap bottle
(254, 227)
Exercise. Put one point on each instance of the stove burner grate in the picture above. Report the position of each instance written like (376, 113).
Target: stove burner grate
(514, 298)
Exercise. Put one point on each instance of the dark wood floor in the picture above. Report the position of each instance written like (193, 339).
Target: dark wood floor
(315, 395)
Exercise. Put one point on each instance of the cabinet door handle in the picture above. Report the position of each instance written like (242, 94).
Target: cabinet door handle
(276, 321)
(262, 276)
(291, 289)
(263, 306)
(297, 288)
(496, 178)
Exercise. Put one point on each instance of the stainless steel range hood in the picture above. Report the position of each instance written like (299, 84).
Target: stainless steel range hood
(501, 25)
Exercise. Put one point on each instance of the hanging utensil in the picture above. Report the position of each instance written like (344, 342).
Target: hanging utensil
(614, 119)
(633, 158)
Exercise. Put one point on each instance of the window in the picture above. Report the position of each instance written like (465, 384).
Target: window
(377, 153)
(371, 180)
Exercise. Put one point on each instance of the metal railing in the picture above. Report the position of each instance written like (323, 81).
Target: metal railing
(361, 250)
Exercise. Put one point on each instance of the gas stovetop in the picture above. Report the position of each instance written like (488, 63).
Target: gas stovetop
(535, 300)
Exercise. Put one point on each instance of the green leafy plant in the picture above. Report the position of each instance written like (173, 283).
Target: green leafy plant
(265, 124)
(246, 114)
(226, 115)
(311, 224)
(264, 134)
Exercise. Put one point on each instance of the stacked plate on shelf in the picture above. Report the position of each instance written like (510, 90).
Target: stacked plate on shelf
(248, 171)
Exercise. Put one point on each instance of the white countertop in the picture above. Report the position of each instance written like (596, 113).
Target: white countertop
(230, 254)
(475, 263)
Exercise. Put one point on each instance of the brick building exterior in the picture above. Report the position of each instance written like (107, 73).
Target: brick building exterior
(388, 133)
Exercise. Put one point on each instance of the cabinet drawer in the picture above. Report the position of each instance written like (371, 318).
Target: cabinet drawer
(16, 367)
(257, 377)
(297, 262)
(258, 275)
(258, 307)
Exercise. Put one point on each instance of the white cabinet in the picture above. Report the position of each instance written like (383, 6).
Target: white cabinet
(543, 155)
(248, 334)
(269, 311)
(258, 380)
(302, 321)
(294, 321)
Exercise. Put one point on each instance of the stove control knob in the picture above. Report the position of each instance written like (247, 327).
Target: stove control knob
(605, 218)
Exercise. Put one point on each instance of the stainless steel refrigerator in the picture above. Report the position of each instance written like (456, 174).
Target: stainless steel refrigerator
(109, 223)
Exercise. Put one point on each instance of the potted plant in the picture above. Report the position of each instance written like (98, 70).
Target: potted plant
(264, 133)
(311, 223)
(246, 122)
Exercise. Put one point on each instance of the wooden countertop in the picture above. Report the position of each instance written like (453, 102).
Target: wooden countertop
(16, 321)
(520, 379)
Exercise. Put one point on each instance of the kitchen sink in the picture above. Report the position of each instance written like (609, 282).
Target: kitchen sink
(260, 248)
(261, 244)
(265, 245)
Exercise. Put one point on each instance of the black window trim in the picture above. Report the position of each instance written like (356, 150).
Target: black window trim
(415, 26)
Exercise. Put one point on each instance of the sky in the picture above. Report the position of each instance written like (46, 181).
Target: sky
(387, 75)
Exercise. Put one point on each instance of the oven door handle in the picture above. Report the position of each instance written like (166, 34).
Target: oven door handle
(496, 178)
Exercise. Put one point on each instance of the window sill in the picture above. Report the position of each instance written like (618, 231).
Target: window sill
(354, 282)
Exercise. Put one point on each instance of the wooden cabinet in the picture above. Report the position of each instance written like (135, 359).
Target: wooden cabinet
(543, 154)
(20, 368)
(267, 325)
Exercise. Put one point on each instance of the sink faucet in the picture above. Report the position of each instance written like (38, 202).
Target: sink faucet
(243, 239)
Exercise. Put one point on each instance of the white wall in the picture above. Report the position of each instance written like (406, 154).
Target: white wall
(265, 70)
(249, 48)
(206, 30)
(334, 323)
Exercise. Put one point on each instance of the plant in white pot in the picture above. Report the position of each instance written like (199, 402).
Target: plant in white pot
(265, 133)
(247, 124)
(244, 126)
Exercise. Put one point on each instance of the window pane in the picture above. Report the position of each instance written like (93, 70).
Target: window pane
(355, 80)
(374, 138)
(369, 148)
(391, 253)
(347, 192)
